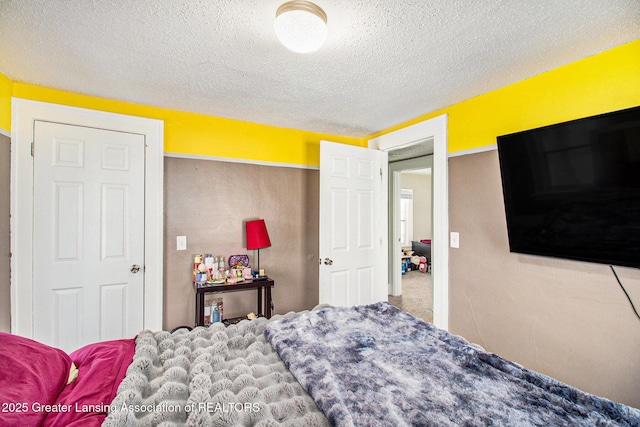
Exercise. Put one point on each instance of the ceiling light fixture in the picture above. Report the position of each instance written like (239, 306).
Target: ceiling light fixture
(301, 26)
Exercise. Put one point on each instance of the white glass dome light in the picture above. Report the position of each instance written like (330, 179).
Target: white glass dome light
(301, 26)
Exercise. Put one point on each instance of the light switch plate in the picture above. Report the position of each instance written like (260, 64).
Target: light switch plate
(455, 239)
(181, 243)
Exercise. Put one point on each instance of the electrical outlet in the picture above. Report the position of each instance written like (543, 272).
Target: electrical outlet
(181, 243)
(455, 239)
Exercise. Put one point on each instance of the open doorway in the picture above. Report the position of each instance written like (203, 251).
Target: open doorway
(410, 230)
(432, 132)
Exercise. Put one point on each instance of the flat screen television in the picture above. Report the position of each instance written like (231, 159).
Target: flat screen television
(572, 190)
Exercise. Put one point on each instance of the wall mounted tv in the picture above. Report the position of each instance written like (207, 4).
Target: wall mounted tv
(572, 190)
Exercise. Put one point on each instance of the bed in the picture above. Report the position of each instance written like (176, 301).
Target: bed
(361, 366)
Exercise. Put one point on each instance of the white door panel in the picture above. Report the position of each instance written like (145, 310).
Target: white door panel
(91, 183)
(351, 226)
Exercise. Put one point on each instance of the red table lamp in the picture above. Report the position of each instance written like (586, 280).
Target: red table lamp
(257, 236)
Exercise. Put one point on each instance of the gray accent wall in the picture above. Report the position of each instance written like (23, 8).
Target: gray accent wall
(208, 201)
(567, 319)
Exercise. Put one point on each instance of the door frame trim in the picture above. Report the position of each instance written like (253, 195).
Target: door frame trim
(24, 113)
(435, 128)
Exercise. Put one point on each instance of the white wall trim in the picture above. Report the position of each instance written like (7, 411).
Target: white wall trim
(24, 113)
(435, 128)
(237, 160)
(5, 133)
(474, 150)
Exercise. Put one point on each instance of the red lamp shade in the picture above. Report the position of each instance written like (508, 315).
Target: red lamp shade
(257, 235)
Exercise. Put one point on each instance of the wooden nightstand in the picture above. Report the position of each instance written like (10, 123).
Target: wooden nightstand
(202, 289)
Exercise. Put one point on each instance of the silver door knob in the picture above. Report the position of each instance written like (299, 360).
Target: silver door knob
(135, 268)
(328, 261)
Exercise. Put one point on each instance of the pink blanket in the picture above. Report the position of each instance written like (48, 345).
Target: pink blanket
(33, 382)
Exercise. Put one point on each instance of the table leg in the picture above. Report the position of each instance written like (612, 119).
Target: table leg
(259, 300)
(267, 302)
(199, 308)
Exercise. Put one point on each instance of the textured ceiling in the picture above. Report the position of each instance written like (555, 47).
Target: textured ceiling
(385, 62)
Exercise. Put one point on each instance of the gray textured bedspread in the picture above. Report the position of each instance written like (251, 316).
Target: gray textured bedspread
(213, 376)
(378, 366)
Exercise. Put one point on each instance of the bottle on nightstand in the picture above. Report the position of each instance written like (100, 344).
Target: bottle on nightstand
(221, 269)
(215, 315)
(216, 311)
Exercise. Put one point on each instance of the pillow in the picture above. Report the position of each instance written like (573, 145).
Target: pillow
(31, 376)
(101, 368)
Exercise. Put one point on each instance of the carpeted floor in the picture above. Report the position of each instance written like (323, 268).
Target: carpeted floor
(417, 295)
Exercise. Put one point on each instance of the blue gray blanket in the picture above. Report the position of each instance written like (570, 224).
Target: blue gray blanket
(378, 366)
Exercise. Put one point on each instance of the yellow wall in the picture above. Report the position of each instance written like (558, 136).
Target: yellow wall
(197, 134)
(6, 91)
(601, 83)
(598, 84)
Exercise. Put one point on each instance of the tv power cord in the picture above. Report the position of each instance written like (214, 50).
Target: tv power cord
(625, 292)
